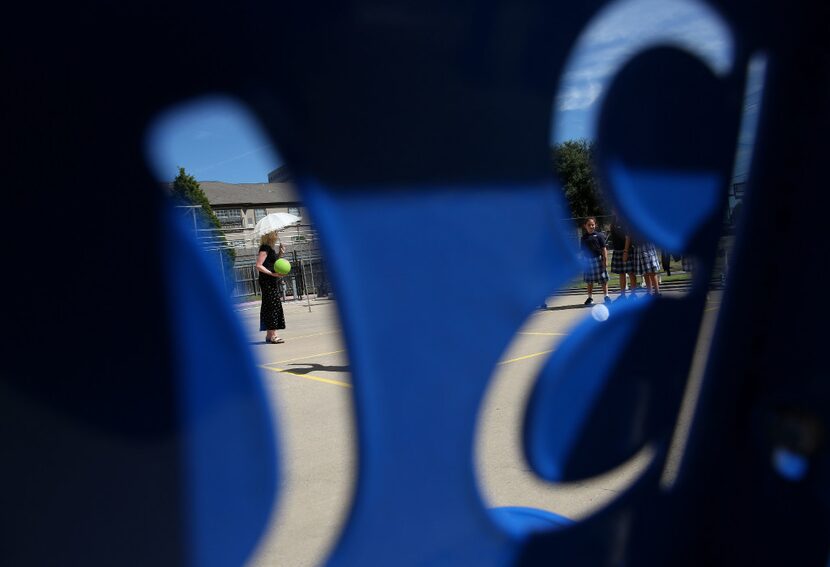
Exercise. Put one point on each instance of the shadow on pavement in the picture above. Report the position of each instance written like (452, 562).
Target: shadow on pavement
(313, 367)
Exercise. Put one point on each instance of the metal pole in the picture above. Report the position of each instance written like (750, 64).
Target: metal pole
(222, 267)
(311, 273)
(307, 294)
(301, 283)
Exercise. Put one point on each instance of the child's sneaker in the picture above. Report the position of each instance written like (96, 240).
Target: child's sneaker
(589, 301)
(607, 299)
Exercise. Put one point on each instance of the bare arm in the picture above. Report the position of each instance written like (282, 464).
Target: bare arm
(260, 259)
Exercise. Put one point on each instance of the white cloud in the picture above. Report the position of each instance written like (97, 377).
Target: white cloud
(749, 120)
(579, 96)
(233, 158)
(628, 22)
(627, 27)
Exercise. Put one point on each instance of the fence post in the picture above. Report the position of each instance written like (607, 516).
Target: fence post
(311, 272)
(307, 293)
(222, 268)
(297, 274)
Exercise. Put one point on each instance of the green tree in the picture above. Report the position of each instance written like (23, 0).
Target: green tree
(573, 162)
(186, 189)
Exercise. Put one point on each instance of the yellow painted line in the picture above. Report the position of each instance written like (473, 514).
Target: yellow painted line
(543, 334)
(305, 357)
(534, 355)
(310, 377)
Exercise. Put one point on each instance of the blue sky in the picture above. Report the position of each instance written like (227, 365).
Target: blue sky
(214, 139)
(217, 139)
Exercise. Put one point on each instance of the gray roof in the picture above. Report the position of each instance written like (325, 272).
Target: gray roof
(227, 194)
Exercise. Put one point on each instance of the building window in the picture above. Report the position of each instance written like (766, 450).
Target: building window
(259, 214)
(229, 218)
(294, 211)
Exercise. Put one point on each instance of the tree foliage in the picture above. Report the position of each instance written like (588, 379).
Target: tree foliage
(186, 189)
(573, 162)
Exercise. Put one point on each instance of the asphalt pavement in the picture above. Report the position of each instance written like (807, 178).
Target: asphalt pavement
(308, 381)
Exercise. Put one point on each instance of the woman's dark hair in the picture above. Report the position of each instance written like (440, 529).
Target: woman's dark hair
(585, 221)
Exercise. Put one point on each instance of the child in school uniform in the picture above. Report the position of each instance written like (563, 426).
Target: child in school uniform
(628, 259)
(665, 259)
(595, 258)
(620, 241)
(647, 264)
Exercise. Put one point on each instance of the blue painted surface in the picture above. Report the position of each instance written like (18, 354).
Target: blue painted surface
(415, 130)
(228, 442)
(416, 421)
(670, 206)
(521, 521)
(790, 464)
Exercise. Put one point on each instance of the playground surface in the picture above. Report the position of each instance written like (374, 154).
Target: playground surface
(308, 382)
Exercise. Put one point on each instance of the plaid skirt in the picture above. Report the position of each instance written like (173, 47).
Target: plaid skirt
(593, 272)
(645, 259)
(620, 266)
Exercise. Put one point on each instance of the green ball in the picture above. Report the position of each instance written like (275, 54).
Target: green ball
(282, 266)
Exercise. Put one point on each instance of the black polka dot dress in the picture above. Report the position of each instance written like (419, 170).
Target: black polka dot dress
(271, 317)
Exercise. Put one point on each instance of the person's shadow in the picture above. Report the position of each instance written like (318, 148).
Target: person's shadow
(313, 367)
(565, 307)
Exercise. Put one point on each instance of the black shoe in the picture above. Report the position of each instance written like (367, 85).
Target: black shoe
(589, 301)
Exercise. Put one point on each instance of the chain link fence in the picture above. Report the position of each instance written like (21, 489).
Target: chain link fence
(308, 276)
(309, 279)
